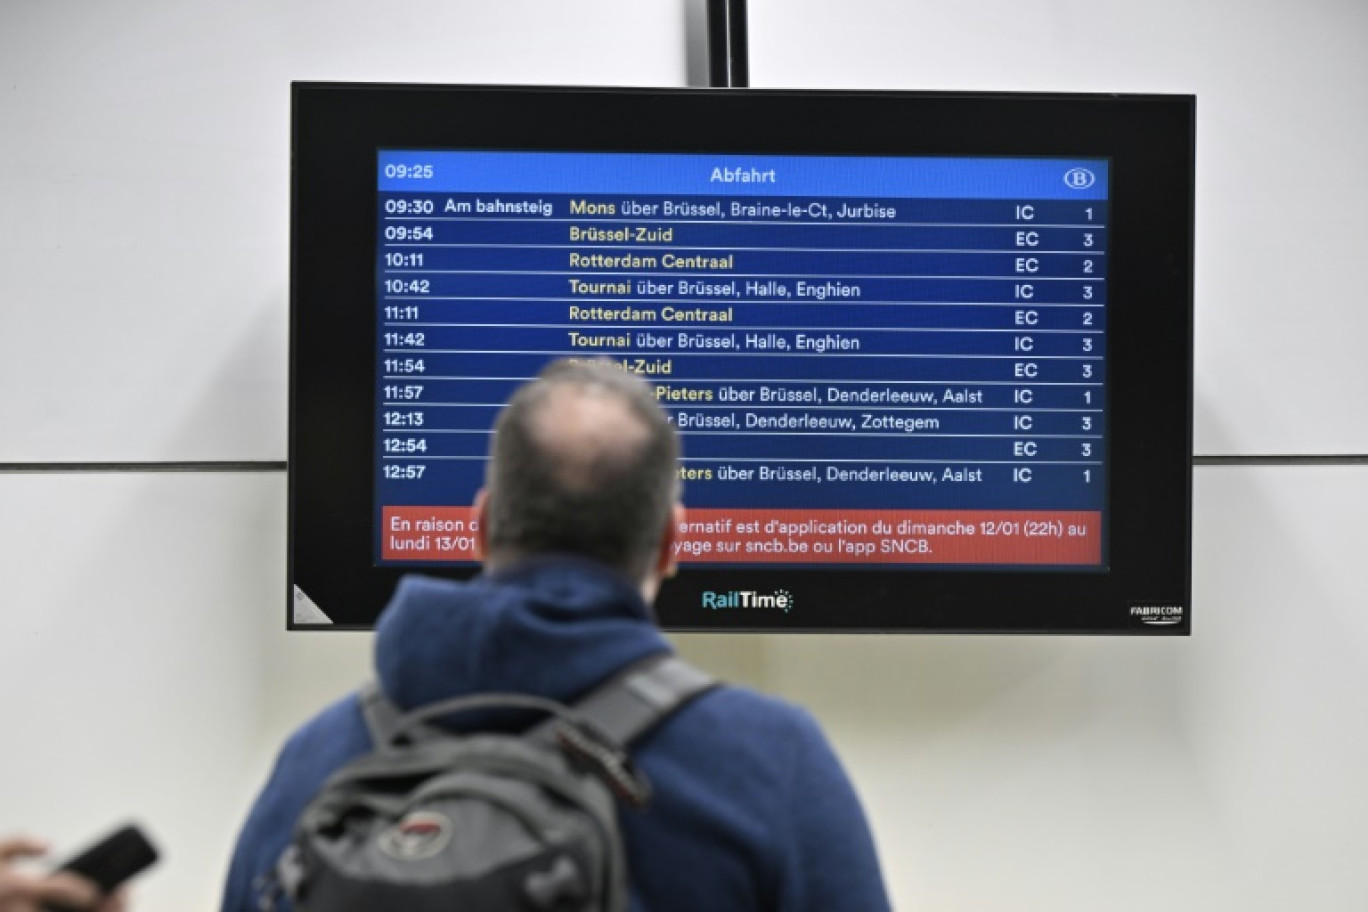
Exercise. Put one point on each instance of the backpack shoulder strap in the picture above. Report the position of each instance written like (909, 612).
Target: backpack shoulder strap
(380, 714)
(635, 700)
(624, 708)
(385, 720)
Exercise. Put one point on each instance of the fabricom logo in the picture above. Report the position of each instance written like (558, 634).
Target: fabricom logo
(1158, 615)
(780, 599)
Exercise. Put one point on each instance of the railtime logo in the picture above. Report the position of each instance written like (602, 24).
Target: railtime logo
(740, 599)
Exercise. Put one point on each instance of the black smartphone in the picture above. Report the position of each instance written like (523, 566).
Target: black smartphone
(111, 861)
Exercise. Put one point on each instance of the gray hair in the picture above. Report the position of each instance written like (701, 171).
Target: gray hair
(583, 461)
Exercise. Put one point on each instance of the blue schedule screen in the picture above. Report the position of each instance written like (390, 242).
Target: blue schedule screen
(870, 360)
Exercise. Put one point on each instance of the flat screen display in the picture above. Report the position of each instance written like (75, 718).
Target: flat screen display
(870, 360)
(929, 355)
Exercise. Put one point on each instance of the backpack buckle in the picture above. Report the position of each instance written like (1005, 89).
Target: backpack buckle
(593, 751)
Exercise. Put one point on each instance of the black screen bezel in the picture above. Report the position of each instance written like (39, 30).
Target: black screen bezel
(337, 128)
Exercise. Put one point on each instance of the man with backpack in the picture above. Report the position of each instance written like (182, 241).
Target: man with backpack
(749, 808)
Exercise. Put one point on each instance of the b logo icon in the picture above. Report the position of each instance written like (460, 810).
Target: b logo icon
(1079, 178)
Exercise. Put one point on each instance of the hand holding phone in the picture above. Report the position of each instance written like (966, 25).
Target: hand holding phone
(111, 861)
(26, 890)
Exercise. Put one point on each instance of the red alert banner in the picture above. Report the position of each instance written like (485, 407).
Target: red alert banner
(801, 536)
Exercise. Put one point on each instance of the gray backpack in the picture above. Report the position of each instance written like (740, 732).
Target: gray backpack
(434, 819)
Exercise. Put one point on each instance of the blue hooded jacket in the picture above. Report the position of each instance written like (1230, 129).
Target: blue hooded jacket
(751, 809)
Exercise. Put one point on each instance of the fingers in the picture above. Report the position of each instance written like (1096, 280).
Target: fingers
(21, 847)
(63, 889)
(116, 902)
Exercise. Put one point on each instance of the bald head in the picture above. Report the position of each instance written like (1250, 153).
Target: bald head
(583, 462)
(587, 434)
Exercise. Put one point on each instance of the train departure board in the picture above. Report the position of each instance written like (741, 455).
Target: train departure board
(929, 355)
(868, 359)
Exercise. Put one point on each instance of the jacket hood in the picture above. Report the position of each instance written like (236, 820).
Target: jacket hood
(552, 627)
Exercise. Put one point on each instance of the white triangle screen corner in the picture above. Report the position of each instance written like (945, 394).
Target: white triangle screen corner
(305, 611)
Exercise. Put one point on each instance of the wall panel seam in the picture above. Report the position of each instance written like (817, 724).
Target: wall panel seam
(227, 466)
(167, 466)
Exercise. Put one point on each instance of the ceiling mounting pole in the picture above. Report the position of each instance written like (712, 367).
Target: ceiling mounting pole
(728, 57)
